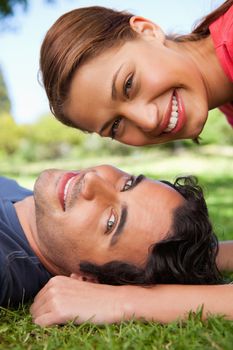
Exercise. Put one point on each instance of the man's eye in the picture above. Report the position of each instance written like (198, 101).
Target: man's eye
(128, 184)
(115, 127)
(111, 222)
(128, 86)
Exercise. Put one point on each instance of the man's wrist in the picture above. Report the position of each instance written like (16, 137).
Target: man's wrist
(131, 300)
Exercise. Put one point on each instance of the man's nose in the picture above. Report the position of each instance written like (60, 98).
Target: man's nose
(143, 116)
(94, 185)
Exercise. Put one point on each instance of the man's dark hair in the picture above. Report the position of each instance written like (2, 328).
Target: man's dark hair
(186, 256)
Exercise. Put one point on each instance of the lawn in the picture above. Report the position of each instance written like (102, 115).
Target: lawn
(17, 332)
(216, 176)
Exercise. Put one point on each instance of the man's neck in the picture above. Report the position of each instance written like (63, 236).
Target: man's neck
(25, 210)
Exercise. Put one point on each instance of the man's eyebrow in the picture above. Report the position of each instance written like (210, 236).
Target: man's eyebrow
(124, 213)
(122, 221)
(137, 181)
(113, 96)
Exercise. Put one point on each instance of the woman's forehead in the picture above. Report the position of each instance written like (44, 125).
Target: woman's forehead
(89, 96)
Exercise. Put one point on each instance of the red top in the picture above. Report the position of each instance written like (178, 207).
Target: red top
(222, 34)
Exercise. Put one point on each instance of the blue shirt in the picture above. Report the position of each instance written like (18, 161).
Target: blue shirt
(21, 273)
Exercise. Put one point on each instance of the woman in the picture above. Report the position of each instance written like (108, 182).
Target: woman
(120, 76)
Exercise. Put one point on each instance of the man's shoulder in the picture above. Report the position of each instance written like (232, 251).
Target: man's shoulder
(6, 181)
(10, 189)
(21, 275)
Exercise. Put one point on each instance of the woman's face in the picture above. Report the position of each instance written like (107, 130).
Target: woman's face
(143, 92)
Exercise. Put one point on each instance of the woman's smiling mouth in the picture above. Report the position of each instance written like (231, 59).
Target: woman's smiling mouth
(173, 116)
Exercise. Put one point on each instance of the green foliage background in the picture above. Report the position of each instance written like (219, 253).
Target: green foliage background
(47, 139)
(5, 103)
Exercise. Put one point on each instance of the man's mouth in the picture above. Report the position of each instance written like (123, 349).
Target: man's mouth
(64, 187)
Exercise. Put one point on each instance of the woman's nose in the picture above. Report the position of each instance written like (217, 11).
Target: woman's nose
(144, 117)
(94, 185)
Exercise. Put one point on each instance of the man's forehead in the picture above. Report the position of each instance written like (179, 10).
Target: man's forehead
(154, 206)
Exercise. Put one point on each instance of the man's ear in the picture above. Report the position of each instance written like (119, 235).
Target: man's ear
(147, 29)
(81, 276)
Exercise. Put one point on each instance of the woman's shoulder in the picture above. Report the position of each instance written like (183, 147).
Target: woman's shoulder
(227, 109)
(222, 27)
(222, 35)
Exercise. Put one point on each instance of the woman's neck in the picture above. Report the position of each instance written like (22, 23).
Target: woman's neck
(202, 52)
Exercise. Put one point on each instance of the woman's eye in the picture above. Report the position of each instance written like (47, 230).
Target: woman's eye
(128, 184)
(115, 127)
(128, 86)
(111, 223)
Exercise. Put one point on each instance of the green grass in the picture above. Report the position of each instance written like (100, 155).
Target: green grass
(214, 168)
(18, 332)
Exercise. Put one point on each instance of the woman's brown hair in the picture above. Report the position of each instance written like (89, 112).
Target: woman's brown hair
(84, 33)
(74, 38)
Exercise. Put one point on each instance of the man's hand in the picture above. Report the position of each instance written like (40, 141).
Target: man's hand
(66, 299)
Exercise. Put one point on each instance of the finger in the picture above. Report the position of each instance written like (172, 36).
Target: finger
(77, 277)
(55, 282)
(41, 301)
(39, 308)
(42, 291)
(54, 317)
(48, 319)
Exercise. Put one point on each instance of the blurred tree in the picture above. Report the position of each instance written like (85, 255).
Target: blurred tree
(5, 103)
(7, 7)
(217, 130)
(10, 134)
(49, 139)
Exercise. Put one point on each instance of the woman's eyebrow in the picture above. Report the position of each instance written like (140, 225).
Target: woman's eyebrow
(114, 97)
(105, 126)
(124, 213)
(114, 79)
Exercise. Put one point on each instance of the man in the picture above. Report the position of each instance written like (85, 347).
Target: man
(103, 225)
(22, 274)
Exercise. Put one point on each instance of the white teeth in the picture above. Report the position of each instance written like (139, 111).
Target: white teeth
(168, 129)
(173, 120)
(174, 115)
(66, 188)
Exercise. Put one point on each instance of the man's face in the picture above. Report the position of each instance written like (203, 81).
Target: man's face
(100, 214)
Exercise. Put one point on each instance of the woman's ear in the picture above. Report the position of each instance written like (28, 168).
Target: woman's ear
(81, 276)
(146, 29)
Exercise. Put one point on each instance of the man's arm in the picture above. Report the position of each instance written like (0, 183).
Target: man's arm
(64, 299)
(225, 256)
